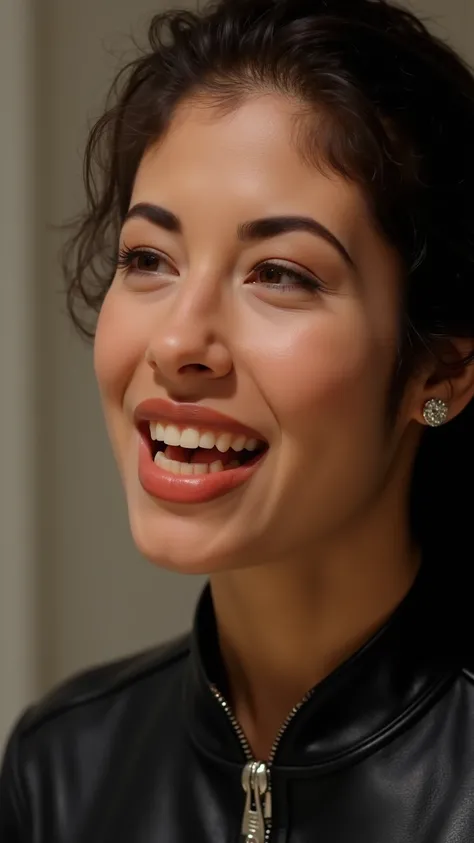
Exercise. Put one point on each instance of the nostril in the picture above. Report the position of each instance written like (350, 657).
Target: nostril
(193, 367)
(152, 363)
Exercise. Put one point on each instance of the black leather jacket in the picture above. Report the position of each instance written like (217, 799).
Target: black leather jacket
(144, 751)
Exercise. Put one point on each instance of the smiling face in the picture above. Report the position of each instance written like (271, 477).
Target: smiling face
(289, 328)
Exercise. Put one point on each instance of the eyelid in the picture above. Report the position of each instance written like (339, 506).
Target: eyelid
(127, 254)
(130, 250)
(297, 268)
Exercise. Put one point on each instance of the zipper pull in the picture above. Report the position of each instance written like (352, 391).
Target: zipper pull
(255, 781)
(268, 806)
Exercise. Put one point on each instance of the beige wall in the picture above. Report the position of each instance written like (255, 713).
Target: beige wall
(18, 540)
(73, 589)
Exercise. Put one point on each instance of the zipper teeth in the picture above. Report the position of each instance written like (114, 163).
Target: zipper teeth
(235, 723)
(240, 732)
(244, 742)
(284, 726)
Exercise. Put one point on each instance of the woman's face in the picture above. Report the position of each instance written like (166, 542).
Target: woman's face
(300, 352)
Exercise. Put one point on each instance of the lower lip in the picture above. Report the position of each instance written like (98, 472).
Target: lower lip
(198, 488)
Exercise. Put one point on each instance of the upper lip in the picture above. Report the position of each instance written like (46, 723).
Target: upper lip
(192, 415)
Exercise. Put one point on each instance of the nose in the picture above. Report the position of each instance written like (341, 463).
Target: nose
(189, 345)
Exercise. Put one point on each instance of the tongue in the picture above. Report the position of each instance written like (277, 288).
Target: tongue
(197, 455)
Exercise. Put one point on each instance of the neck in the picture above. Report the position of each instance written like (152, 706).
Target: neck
(284, 627)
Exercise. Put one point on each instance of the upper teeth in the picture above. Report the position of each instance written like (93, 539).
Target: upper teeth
(190, 437)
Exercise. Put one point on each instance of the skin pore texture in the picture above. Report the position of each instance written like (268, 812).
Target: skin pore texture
(310, 555)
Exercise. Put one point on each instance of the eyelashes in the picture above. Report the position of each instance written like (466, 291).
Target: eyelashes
(143, 261)
(126, 258)
(277, 271)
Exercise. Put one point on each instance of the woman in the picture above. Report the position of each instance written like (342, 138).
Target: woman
(279, 242)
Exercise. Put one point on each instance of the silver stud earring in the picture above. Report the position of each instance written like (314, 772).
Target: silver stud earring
(435, 412)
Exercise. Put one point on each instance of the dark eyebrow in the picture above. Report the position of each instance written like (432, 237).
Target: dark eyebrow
(156, 215)
(262, 229)
(273, 226)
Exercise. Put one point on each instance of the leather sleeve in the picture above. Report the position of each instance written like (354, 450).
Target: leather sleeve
(13, 811)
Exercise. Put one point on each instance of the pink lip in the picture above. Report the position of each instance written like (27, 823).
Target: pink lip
(159, 409)
(199, 488)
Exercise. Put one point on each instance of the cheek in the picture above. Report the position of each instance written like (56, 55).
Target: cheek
(118, 347)
(329, 369)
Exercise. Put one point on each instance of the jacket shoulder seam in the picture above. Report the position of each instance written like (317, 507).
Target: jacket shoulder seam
(155, 660)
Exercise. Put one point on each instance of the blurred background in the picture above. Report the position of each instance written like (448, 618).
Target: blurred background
(73, 590)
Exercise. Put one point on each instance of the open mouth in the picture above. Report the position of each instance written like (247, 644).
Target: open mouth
(196, 452)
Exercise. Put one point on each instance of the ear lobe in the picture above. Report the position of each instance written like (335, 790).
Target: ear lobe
(450, 385)
(435, 412)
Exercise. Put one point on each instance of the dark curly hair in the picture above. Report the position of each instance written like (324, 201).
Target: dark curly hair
(395, 113)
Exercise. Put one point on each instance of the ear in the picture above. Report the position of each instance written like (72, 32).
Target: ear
(449, 377)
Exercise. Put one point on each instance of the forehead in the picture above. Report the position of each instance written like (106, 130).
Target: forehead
(244, 163)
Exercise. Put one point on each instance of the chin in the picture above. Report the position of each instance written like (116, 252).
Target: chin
(198, 538)
(190, 545)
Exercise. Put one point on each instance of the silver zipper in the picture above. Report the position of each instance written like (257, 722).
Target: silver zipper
(257, 811)
(256, 776)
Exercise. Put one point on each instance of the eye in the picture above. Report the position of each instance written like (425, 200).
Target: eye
(143, 261)
(283, 278)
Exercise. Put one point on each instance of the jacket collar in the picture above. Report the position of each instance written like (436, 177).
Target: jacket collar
(377, 692)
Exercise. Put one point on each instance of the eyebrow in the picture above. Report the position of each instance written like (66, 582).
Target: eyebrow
(261, 229)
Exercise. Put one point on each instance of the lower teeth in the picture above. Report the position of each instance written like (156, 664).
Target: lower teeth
(186, 468)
